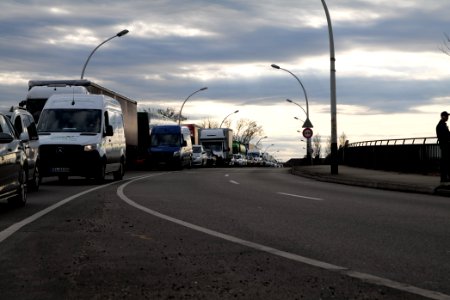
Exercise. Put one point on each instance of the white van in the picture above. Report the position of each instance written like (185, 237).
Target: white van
(82, 135)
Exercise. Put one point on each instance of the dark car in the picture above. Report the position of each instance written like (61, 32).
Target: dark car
(13, 163)
(23, 121)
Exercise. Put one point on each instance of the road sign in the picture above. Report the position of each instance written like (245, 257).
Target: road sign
(307, 133)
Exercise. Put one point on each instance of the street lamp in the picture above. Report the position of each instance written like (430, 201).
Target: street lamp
(179, 115)
(334, 154)
(235, 112)
(264, 137)
(119, 34)
(268, 148)
(307, 123)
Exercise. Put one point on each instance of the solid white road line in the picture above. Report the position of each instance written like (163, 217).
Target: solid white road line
(4, 234)
(330, 267)
(299, 196)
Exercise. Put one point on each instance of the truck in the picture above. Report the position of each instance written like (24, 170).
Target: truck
(219, 142)
(170, 146)
(40, 90)
(194, 128)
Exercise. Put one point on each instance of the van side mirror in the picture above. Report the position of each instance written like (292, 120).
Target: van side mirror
(109, 130)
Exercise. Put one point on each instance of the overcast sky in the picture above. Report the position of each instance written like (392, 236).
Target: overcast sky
(392, 78)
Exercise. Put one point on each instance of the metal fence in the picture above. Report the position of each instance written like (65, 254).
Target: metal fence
(413, 155)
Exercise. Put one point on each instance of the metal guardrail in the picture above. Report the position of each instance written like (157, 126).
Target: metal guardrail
(414, 155)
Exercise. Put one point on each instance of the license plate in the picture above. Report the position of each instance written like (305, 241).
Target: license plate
(60, 170)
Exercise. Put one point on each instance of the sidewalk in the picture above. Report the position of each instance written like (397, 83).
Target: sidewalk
(413, 183)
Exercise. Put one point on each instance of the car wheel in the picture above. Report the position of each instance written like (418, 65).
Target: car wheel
(118, 175)
(36, 180)
(21, 198)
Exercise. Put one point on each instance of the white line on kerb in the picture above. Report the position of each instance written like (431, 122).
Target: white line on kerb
(299, 196)
(330, 267)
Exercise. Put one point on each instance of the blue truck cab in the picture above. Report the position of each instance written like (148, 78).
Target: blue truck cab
(170, 146)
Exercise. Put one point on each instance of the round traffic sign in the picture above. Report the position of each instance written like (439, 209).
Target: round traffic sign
(307, 133)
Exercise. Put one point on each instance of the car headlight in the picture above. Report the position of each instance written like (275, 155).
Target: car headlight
(176, 153)
(90, 147)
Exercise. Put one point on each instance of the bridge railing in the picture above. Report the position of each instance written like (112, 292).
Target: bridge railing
(413, 155)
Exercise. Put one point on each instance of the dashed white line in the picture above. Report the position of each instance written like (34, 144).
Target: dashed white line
(300, 196)
(234, 182)
(330, 267)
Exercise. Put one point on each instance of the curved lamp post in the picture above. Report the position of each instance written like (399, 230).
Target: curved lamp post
(264, 137)
(181, 110)
(334, 154)
(119, 34)
(235, 112)
(307, 122)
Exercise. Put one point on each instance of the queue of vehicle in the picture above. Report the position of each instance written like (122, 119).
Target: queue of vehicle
(78, 128)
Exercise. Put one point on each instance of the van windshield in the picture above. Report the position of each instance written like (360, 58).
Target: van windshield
(165, 139)
(70, 120)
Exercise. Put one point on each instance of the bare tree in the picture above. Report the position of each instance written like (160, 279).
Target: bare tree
(246, 130)
(445, 46)
(342, 140)
(328, 148)
(208, 123)
(317, 146)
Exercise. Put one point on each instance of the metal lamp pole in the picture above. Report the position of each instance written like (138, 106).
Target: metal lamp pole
(119, 34)
(334, 155)
(235, 112)
(181, 110)
(264, 137)
(307, 123)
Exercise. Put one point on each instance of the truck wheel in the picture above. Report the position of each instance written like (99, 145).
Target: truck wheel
(21, 198)
(118, 175)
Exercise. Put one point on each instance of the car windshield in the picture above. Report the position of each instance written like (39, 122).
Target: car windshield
(70, 120)
(165, 139)
(197, 150)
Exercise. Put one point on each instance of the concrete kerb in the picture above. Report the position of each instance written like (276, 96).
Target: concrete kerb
(374, 179)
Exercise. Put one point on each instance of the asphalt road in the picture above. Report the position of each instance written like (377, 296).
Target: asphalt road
(224, 234)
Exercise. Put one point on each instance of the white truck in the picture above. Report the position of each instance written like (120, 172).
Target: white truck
(219, 142)
(82, 135)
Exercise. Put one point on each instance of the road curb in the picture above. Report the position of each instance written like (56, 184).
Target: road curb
(370, 183)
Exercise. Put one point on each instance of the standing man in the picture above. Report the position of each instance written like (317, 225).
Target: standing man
(443, 135)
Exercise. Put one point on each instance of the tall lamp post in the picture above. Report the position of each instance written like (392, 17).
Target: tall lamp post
(235, 112)
(119, 34)
(334, 155)
(307, 123)
(264, 137)
(181, 110)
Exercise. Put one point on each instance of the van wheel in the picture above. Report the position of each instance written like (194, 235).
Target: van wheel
(118, 175)
(21, 198)
(101, 173)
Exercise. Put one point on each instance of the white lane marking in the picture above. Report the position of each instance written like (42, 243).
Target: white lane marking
(330, 267)
(4, 234)
(299, 196)
(226, 175)
(234, 182)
